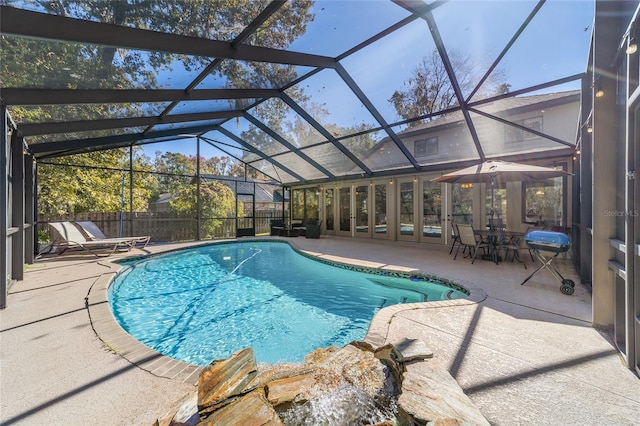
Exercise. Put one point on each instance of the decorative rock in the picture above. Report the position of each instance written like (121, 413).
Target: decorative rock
(363, 346)
(223, 379)
(271, 372)
(317, 356)
(340, 357)
(291, 389)
(413, 349)
(391, 358)
(369, 374)
(250, 410)
(389, 353)
(360, 368)
(431, 396)
(186, 413)
(354, 384)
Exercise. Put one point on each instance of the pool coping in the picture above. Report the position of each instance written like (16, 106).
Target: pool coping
(121, 343)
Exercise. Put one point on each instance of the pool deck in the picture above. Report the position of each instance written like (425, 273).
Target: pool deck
(523, 354)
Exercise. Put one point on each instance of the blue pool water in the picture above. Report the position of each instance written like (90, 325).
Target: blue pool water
(205, 303)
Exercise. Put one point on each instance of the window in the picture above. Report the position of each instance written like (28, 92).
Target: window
(381, 209)
(544, 202)
(297, 204)
(425, 147)
(304, 203)
(328, 203)
(406, 208)
(496, 204)
(514, 134)
(311, 199)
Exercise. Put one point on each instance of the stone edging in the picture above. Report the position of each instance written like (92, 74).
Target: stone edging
(116, 339)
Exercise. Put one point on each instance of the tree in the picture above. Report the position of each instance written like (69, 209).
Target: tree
(37, 63)
(174, 171)
(543, 201)
(429, 90)
(212, 19)
(92, 182)
(222, 166)
(217, 202)
(462, 202)
(177, 174)
(300, 133)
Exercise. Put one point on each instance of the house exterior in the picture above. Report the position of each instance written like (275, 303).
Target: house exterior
(538, 129)
(500, 129)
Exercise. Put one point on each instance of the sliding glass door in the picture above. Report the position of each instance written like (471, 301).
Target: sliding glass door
(329, 211)
(344, 211)
(435, 216)
(380, 199)
(362, 208)
(407, 210)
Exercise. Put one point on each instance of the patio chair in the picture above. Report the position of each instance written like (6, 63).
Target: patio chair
(496, 224)
(456, 237)
(277, 225)
(93, 233)
(469, 240)
(517, 245)
(313, 229)
(67, 236)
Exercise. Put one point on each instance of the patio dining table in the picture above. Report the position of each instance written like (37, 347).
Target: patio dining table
(494, 236)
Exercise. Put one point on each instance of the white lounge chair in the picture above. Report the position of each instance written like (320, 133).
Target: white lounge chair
(93, 233)
(68, 236)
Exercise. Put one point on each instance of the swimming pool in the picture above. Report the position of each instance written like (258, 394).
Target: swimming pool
(207, 302)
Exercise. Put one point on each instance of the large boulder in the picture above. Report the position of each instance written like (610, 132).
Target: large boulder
(431, 396)
(289, 390)
(250, 410)
(224, 379)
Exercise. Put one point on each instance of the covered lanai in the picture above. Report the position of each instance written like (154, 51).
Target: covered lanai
(347, 109)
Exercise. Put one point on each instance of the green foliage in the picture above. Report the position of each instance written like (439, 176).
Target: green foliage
(543, 201)
(429, 90)
(176, 170)
(92, 182)
(218, 20)
(37, 63)
(217, 201)
(221, 166)
(43, 237)
(462, 198)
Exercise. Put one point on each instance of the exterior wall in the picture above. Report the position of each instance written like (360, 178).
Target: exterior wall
(610, 167)
(603, 178)
(455, 143)
(480, 192)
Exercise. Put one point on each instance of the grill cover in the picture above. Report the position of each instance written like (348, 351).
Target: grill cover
(547, 240)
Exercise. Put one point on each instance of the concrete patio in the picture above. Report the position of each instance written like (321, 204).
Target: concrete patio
(524, 354)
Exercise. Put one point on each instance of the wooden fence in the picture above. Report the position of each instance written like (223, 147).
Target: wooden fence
(162, 226)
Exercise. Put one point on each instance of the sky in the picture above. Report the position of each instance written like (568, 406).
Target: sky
(553, 46)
